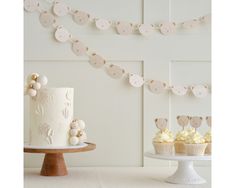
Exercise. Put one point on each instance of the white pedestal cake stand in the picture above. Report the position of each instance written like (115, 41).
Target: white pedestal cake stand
(185, 173)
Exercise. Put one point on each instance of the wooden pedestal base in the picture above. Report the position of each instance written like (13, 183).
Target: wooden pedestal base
(54, 165)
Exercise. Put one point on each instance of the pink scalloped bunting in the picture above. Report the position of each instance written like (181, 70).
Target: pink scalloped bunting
(136, 80)
(115, 71)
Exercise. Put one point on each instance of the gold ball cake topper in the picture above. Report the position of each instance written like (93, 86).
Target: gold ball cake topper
(34, 83)
(208, 121)
(77, 132)
(183, 120)
(196, 121)
(161, 123)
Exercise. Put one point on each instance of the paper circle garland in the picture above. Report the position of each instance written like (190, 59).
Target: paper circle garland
(31, 5)
(195, 121)
(206, 19)
(96, 61)
(79, 48)
(200, 91)
(62, 34)
(60, 9)
(190, 24)
(124, 28)
(167, 28)
(161, 123)
(157, 87)
(136, 80)
(80, 17)
(146, 29)
(179, 90)
(115, 71)
(102, 24)
(46, 19)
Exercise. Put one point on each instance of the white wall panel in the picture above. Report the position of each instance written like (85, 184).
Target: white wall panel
(120, 119)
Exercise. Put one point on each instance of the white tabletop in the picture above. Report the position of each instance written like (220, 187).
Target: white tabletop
(111, 177)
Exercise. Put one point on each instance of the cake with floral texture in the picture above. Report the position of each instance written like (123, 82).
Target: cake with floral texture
(51, 115)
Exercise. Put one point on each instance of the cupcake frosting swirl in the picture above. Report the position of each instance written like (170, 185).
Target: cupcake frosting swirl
(194, 138)
(207, 137)
(165, 136)
(181, 136)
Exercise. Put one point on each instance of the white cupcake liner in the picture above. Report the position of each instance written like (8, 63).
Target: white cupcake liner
(208, 148)
(164, 148)
(179, 147)
(195, 149)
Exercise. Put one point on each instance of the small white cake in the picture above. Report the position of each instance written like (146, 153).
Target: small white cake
(51, 112)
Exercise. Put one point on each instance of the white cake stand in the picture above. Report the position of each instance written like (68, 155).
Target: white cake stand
(185, 173)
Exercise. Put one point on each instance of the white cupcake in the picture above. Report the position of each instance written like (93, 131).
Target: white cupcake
(207, 138)
(195, 144)
(180, 141)
(163, 142)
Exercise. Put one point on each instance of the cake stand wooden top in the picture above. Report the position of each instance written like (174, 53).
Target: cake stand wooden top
(89, 147)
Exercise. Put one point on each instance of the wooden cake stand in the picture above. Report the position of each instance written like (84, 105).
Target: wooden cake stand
(54, 164)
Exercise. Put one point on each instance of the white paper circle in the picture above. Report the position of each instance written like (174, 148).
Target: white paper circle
(60, 9)
(79, 48)
(96, 61)
(115, 71)
(190, 24)
(179, 90)
(167, 28)
(146, 29)
(80, 17)
(124, 28)
(157, 87)
(200, 91)
(31, 5)
(46, 19)
(62, 34)
(136, 80)
(102, 24)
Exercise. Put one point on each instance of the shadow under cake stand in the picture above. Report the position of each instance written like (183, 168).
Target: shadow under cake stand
(185, 173)
(54, 164)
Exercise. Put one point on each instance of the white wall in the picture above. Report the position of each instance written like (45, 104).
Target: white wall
(120, 118)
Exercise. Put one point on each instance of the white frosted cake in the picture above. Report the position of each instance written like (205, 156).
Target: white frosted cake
(51, 113)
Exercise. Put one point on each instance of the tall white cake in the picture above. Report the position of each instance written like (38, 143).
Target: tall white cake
(51, 112)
